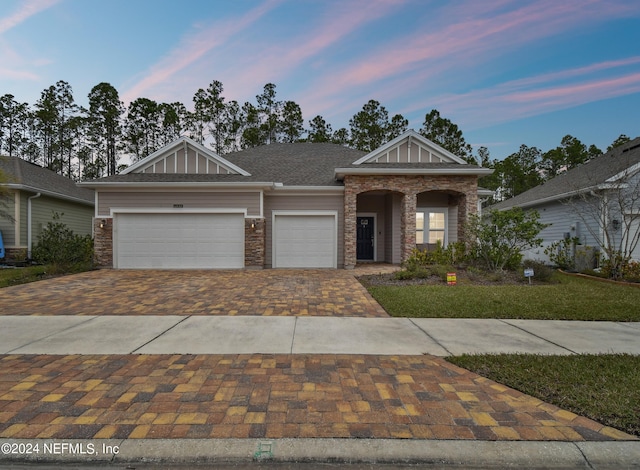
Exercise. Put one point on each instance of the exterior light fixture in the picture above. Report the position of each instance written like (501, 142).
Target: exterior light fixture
(103, 223)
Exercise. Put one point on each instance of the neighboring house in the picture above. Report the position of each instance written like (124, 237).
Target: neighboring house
(298, 205)
(33, 195)
(597, 202)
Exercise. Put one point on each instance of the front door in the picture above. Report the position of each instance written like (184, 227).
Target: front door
(365, 238)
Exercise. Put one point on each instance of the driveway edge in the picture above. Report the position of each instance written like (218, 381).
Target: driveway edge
(447, 453)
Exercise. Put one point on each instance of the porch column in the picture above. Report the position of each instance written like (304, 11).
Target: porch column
(408, 225)
(350, 242)
(467, 205)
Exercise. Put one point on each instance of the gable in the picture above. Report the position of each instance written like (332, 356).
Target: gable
(185, 156)
(410, 147)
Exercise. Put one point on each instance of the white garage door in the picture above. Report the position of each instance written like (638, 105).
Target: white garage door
(179, 241)
(304, 241)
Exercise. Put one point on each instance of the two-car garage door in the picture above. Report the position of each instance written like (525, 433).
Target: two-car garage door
(178, 241)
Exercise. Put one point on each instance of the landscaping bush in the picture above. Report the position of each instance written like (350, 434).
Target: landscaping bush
(500, 238)
(562, 253)
(541, 272)
(62, 249)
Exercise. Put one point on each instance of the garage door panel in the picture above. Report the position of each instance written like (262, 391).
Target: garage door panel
(179, 241)
(305, 241)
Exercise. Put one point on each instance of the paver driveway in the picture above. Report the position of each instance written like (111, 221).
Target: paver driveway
(237, 292)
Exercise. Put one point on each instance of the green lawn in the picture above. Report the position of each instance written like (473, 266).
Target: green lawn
(14, 276)
(605, 388)
(571, 298)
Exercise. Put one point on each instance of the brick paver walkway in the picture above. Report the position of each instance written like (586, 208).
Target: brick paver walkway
(229, 292)
(271, 396)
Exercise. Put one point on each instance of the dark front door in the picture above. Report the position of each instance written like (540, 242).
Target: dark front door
(365, 238)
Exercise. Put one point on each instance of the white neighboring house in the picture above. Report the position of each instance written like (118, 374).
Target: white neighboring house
(597, 202)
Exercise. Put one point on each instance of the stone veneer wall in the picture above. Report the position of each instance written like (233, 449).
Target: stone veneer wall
(103, 243)
(254, 243)
(409, 186)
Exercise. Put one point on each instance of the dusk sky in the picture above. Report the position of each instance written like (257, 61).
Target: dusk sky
(508, 72)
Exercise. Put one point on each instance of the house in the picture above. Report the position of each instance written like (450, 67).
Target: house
(303, 205)
(33, 195)
(597, 202)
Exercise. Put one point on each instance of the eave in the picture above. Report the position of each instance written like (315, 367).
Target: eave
(176, 185)
(44, 192)
(340, 173)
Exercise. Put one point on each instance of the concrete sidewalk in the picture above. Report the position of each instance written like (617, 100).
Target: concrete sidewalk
(309, 335)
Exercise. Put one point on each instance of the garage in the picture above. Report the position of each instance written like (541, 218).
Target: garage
(178, 241)
(303, 240)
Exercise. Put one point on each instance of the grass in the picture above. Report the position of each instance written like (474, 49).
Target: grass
(15, 276)
(571, 298)
(605, 388)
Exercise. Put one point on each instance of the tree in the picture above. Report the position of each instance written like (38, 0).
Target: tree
(13, 124)
(501, 236)
(105, 128)
(341, 137)
(269, 110)
(252, 133)
(46, 120)
(291, 124)
(142, 129)
(621, 140)
(446, 134)
(197, 120)
(320, 130)
(519, 172)
(568, 155)
(370, 128)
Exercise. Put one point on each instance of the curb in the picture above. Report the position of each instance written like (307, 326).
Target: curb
(445, 453)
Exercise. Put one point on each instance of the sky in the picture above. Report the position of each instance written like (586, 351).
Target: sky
(507, 72)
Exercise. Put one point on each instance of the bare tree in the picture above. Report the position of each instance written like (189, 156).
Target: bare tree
(609, 205)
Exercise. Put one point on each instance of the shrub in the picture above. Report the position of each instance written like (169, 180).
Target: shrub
(562, 253)
(59, 247)
(500, 238)
(541, 272)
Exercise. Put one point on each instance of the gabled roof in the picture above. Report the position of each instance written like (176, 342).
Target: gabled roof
(33, 178)
(402, 150)
(301, 164)
(595, 174)
(184, 144)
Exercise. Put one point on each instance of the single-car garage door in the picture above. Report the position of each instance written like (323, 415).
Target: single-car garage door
(179, 241)
(304, 241)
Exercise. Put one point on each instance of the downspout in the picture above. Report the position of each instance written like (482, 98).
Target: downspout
(29, 212)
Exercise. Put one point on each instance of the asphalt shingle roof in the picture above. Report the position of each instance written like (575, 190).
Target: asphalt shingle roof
(34, 177)
(592, 173)
(299, 164)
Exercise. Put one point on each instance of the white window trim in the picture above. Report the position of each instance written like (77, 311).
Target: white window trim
(426, 210)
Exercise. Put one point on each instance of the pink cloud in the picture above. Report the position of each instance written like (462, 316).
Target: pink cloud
(24, 12)
(518, 99)
(470, 33)
(278, 60)
(193, 48)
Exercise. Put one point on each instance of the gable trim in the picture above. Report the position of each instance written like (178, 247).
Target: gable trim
(410, 135)
(184, 142)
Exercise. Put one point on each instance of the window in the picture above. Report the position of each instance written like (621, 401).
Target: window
(431, 226)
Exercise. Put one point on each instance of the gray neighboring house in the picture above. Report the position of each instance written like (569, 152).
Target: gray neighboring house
(301, 205)
(593, 201)
(33, 195)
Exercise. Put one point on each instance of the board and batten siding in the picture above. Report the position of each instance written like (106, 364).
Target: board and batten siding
(303, 203)
(7, 226)
(249, 200)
